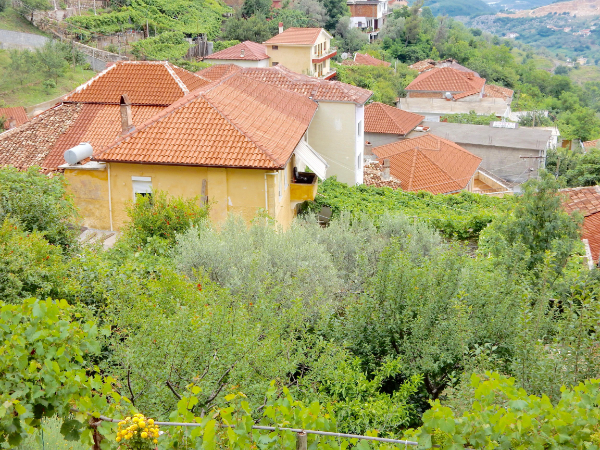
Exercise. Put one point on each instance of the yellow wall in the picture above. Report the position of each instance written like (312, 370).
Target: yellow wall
(230, 191)
(297, 59)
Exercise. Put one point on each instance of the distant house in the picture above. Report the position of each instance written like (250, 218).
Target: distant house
(587, 145)
(514, 155)
(385, 124)
(586, 200)
(13, 117)
(428, 64)
(368, 15)
(302, 50)
(368, 60)
(427, 163)
(451, 90)
(512, 35)
(244, 54)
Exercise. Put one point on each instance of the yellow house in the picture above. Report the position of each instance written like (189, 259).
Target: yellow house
(303, 50)
(233, 144)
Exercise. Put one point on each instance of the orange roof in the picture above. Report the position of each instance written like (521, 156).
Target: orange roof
(447, 79)
(17, 113)
(145, 83)
(237, 122)
(494, 91)
(218, 71)
(591, 144)
(368, 60)
(43, 140)
(298, 36)
(315, 88)
(380, 118)
(422, 66)
(245, 51)
(429, 163)
(586, 200)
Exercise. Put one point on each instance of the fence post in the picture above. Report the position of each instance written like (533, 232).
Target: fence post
(301, 441)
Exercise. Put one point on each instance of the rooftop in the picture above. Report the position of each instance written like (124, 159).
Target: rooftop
(447, 79)
(517, 138)
(591, 144)
(440, 106)
(298, 36)
(158, 83)
(428, 64)
(236, 122)
(587, 201)
(380, 118)
(218, 71)
(368, 60)
(244, 51)
(17, 113)
(429, 163)
(494, 91)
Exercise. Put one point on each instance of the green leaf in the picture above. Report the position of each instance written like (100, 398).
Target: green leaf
(71, 429)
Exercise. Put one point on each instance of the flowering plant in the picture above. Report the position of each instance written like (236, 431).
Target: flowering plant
(137, 433)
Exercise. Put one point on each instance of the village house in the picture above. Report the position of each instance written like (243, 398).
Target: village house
(365, 60)
(426, 163)
(337, 130)
(385, 124)
(13, 117)
(586, 200)
(302, 50)
(451, 90)
(368, 15)
(511, 154)
(244, 54)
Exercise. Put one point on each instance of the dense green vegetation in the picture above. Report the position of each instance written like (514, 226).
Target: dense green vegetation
(453, 8)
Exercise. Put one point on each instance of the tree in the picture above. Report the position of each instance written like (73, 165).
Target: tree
(254, 28)
(21, 62)
(51, 60)
(349, 39)
(582, 124)
(561, 70)
(393, 28)
(336, 9)
(314, 10)
(538, 232)
(256, 7)
(413, 22)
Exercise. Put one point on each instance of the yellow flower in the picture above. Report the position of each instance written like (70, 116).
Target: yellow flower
(142, 424)
(118, 439)
(128, 436)
(128, 418)
(144, 435)
(155, 441)
(122, 422)
(135, 420)
(150, 421)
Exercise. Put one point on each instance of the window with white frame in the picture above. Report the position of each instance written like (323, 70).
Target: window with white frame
(141, 186)
(360, 128)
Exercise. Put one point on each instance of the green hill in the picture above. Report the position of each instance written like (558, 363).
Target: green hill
(459, 7)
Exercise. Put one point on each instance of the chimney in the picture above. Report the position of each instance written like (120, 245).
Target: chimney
(280, 27)
(385, 170)
(242, 52)
(12, 123)
(126, 121)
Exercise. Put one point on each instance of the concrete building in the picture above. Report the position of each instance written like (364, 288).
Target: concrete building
(302, 50)
(514, 155)
(244, 54)
(368, 15)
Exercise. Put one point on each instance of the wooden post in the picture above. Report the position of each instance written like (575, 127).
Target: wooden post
(301, 441)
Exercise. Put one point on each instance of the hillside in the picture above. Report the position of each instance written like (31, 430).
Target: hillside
(455, 8)
(575, 8)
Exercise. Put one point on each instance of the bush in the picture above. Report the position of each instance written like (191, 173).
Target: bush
(222, 45)
(161, 216)
(38, 203)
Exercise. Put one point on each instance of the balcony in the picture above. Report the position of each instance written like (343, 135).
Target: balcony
(322, 56)
(304, 188)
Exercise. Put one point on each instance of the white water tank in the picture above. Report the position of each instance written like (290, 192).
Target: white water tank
(78, 153)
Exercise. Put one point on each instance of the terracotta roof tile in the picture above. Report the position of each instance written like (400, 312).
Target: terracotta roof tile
(422, 66)
(17, 113)
(318, 89)
(494, 91)
(298, 36)
(591, 232)
(583, 199)
(429, 163)
(244, 51)
(237, 122)
(380, 118)
(447, 80)
(218, 71)
(591, 144)
(145, 82)
(368, 60)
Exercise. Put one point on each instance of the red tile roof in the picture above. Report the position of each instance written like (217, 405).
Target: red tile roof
(237, 122)
(245, 51)
(145, 83)
(494, 91)
(591, 144)
(218, 71)
(298, 36)
(429, 163)
(380, 118)
(586, 200)
(368, 60)
(422, 66)
(447, 80)
(17, 113)
(315, 88)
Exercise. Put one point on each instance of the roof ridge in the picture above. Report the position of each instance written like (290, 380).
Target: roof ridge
(454, 179)
(181, 84)
(413, 168)
(89, 82)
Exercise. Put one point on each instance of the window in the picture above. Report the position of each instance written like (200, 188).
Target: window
(360, 125)
(360, 24)
(141, 186)
(359, 161)
(274, 63)
(275, 47)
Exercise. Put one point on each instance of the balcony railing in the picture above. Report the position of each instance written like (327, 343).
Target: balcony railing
(322, 56)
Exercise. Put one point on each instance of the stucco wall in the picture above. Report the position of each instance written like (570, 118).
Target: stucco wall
(359, 142)
(230, 191)
(505, 162)
(332, 134)
(377, 139)
(297, 59)
(238, 62)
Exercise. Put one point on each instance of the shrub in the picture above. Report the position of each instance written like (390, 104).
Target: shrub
(161, 216)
